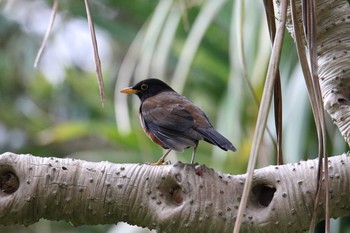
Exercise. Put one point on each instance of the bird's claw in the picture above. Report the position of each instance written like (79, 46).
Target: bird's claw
(159, 162)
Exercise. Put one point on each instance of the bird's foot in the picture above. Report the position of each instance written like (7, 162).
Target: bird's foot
(159, 162)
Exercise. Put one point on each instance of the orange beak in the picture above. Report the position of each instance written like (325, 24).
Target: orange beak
(129, 90)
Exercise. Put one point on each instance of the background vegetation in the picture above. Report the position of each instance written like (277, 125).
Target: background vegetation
(55, 110)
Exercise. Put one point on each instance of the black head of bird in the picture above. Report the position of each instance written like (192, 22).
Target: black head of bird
(147, 88)
(172, 121)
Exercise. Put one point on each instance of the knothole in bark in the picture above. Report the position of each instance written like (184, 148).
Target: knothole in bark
(343, 101)
(176, 195)
(262, 194)
(9, 182)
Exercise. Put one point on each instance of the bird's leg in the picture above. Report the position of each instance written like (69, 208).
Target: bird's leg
(194, 152)
(161, 160)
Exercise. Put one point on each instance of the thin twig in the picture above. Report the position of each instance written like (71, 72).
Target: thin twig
(241, 59)
(311, 24)
(313, 87)
(270, 16)
(48, 31)
(96, 54)
(263, 113)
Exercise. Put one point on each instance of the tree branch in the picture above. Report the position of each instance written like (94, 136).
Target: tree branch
(169, 198)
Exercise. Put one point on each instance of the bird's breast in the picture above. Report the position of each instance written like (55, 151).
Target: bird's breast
(149, 134)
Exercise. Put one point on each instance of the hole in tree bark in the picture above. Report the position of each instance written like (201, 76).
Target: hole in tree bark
(263, 194)
(170, 192)
(176, 195)
(343, 101)
(9, 182)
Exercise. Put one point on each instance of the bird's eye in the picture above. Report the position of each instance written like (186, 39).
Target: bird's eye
(144, 87)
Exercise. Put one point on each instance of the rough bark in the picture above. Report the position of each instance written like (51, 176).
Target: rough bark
(334, 62)
(333, 51)
(170, 198)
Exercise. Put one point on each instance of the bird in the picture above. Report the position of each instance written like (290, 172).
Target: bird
(172, 121)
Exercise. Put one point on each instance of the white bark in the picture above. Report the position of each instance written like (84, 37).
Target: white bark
(333, 51)
(334, 61)
(170, 198)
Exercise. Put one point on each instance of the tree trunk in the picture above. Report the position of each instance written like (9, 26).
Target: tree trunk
(170, 198)
(334, 62)
(333, 51)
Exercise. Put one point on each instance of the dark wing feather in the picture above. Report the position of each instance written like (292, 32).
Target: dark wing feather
(170, 123)
(170, 138)
(214, 137)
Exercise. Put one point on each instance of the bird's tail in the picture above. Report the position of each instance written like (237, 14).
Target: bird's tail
(212, 136)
